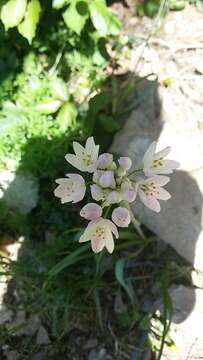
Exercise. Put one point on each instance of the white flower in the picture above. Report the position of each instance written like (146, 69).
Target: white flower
(150, 191)
(97, 192)
(154, 163)
(99, 232)
(128, 191)
(91, 211)
(84, 158)
(105, 162)
(113, 197)
(125, 163)
(107, 180)
(121, 216)
(70, 190)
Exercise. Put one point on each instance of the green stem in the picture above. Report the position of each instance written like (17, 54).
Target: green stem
(136, 171)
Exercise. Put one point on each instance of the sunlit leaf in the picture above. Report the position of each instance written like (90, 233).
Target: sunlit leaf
(58, 4)
(76, 16)
(103, 20)
(67, 115)
(50, 107)
(59, 89)
(13, 12)
(28, 27)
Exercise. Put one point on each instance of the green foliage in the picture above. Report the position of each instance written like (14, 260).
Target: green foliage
(25, 15)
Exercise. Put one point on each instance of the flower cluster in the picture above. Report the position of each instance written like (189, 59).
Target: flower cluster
(113, 186)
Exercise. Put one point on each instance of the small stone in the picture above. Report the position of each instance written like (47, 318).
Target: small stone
(19, 191)
(42, 337)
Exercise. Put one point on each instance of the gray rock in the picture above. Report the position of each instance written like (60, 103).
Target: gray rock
(12, 355)
(159, 117)
(5, 315)
(186, 329)
(19, 191)
(42, 337)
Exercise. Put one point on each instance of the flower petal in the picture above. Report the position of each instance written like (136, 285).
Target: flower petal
(163, 153)
(113, 227)
(113, 197)
(125, 163)
(91, 211)
(107, 179)
(109, 242)
(104, 161)
(78, 148)
(73, 160)
(162, 194)
(121, 216)
(158, 180)
(149, 154)
(128, 191)
(97, 192)
(149, 201)
(97, 244)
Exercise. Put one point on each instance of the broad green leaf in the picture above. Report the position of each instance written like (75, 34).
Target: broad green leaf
(119, 272)
(76, 16)
(67, 115)
(28, 27)
(58, 4)
(103, 20)
(59, 89)
(50, 107)
(13, 12)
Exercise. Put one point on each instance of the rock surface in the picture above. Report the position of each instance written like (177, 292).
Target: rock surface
(186, 329)
(160, 118)
(18, 191)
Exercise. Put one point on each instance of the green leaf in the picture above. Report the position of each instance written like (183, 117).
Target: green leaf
(76, 16)
(59, 89)
(103, 20)
(13, 12)
(67, 115)
(68, 260)
(109, 123)
(119, 273)
(50, 107)
(11, 117)
(28, 27)
(58, 4)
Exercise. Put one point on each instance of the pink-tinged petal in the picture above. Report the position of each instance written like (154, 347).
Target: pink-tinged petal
(113, 197)
(158, 170)
(78, 148)
(97, 174)
(109, 242)
(128, 191)
(121, 216)
(162, 194)
(171, 164)
(104, 161)
(73, 160)
(125, 163)
(107, 179)
(91, 211)
(163, 153)
(149, 201)
(113, 227)
(158, 180)
(149, 154)
(97, 244)
(97, 192)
